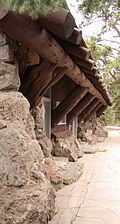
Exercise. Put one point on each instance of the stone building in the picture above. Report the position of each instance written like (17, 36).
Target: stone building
(51, 100)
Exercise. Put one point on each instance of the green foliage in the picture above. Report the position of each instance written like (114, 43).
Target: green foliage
(107, 56)
(107, 10)
(97, 51)
(112, 114)
(102, 8)
(109, 65)
(34, 7)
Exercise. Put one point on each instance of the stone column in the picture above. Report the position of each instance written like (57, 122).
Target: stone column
(26, 196)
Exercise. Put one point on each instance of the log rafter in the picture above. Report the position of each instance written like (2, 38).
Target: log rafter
(39, 40)
(100, 110)
(77, 76)
(35, 80)
(88, 110)
(58, 73)
(67, 104)
(86, 100)
(88, 63)
(61, 23)
(92, 112)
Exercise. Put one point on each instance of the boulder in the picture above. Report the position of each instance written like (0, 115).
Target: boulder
(70, 171)
(14, 109)
(26, 195)
(61, 162)
(50, 169)
(30, 126)
(86, 135)
(30, 204)
(9, 78)
(44, 142)
(68, 147)
(3, 39)
(88, 148)
(19, 155)
(6, 54)
(74, 143)
(38, 114)
(62, 148)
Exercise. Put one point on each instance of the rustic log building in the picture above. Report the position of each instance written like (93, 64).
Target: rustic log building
(62, 80)
(66, 69)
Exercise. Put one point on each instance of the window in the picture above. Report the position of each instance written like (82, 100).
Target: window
(64, 121)
(47, 115)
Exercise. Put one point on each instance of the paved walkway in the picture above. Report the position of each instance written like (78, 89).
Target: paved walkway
(95, 197)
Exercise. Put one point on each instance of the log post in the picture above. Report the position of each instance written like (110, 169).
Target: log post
(88, 110)
(100, 110)
(86, 100)
(92, 112)
(67, 104)
(61, 23)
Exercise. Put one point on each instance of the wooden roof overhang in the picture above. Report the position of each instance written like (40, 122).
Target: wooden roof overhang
(59, 43)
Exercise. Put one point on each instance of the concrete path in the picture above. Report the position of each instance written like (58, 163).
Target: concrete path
(95, 197)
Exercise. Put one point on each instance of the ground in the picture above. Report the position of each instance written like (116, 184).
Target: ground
(95, 197)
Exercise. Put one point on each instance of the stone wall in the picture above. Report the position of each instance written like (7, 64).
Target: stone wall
(31, 165)
(26, 195)
(91, 133)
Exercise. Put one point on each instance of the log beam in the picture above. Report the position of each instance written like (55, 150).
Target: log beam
(76, 37)
(94, 71)
(67, 104)
(98, 84)
(21, 27)
(72, 49)
(88, 110)
(92, 112)
(86, 100)
(77, 76)
(88, 63)
(58, 73)
(100, 111)
(61, 23)
(35, 80)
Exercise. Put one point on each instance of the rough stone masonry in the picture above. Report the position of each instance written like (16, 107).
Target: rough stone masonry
(26, 195)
